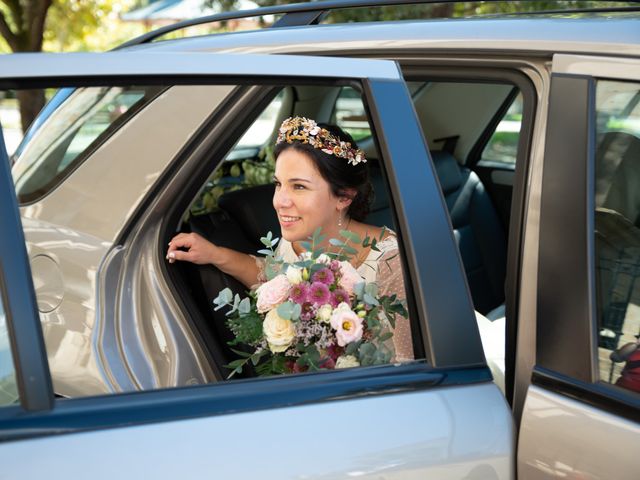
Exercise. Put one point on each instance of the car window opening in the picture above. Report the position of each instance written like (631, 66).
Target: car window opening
(235, 209)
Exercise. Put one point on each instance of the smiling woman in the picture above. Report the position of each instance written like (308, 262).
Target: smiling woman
(321, 185)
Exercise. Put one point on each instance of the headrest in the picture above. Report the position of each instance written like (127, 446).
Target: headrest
(448, 171)
(252, 209)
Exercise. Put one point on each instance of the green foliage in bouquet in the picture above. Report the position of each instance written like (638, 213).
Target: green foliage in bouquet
(315, 313)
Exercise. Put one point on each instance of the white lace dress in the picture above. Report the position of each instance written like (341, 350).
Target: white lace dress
(384, 268)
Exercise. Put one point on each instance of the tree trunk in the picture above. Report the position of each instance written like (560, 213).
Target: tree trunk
(442, 10)
(31, 102)
(24, 33)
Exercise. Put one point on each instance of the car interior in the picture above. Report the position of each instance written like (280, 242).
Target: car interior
(234, 207)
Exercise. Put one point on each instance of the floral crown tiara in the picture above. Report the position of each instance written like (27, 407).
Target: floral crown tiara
(305, 130)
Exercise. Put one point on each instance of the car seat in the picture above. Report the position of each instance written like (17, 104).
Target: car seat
(476, 226)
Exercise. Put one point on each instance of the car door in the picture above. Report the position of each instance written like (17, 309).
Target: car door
(440, 416)
(582, 410)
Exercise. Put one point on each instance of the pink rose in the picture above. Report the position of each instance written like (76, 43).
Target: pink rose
(350, 277)
(272, 293)
(347, 324)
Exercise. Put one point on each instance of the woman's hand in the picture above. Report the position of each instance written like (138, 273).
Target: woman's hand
(191, 247)
(198, 250)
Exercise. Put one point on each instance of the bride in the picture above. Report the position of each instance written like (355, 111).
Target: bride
(321, 180)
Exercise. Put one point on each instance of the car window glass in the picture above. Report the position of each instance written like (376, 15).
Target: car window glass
(263, 127)
(617, 232)
(8, 387)
(349, 114)
(81, 121)
(248, 164)
(503, 144)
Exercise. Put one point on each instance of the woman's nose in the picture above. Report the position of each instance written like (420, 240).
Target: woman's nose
(281, 199)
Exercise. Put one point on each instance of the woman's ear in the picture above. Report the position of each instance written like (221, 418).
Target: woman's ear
(346, 197)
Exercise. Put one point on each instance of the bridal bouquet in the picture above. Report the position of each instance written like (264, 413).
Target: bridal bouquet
(315, 313)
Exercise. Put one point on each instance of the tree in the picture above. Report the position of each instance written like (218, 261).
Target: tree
(440, 10)
(22, 26)
(61, 25)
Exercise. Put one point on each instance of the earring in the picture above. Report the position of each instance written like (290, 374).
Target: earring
(340, 221)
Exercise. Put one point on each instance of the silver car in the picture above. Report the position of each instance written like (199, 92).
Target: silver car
(502, 150)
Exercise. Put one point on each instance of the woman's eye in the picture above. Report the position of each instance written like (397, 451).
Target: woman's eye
(277, 184)
(298, 186)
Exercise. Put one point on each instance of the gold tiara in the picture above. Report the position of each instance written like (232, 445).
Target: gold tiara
(305, 130)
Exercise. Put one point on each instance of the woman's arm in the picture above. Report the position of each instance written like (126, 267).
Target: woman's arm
(200, 251)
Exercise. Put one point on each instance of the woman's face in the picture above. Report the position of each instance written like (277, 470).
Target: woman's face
(303, 199)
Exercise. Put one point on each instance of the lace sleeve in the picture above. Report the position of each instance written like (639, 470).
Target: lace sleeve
(390, 281)
(262, 277)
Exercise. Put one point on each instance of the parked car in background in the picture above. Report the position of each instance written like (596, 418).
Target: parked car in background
(502, 150)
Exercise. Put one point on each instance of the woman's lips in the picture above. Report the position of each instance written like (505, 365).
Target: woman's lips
(287, 220)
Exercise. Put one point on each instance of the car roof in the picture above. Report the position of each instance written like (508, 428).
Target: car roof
(610, 35)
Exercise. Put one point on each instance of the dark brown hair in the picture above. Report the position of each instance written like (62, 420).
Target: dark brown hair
(338, 172)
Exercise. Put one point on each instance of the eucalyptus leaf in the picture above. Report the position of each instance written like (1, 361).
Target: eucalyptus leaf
(306, 245)
(351, 236)
(370, 300)
(285, 310)
(372, 289)
(316, 267)
(350, 250)
(297, 310)
(264, 251)
(223, 299)
(270, 272)
(366, 349)
(352, 348)
(245, 306)
(241, 353)
(336, 242)
(385, 336)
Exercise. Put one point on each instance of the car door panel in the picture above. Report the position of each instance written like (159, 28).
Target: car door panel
(562, 437)
(570, 403)
(449, 433)
(443, 417)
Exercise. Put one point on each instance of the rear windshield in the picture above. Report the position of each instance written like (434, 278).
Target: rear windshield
(71, 132)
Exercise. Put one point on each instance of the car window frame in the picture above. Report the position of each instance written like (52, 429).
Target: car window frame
(566, 345)
(447, 366)
(18, 297)
(515, 238)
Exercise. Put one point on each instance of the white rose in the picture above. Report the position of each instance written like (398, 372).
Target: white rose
(294, 275)
(278, 331)
(347, 361)
(324, 313)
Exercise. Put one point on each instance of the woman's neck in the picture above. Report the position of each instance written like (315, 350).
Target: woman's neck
(359, 228)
